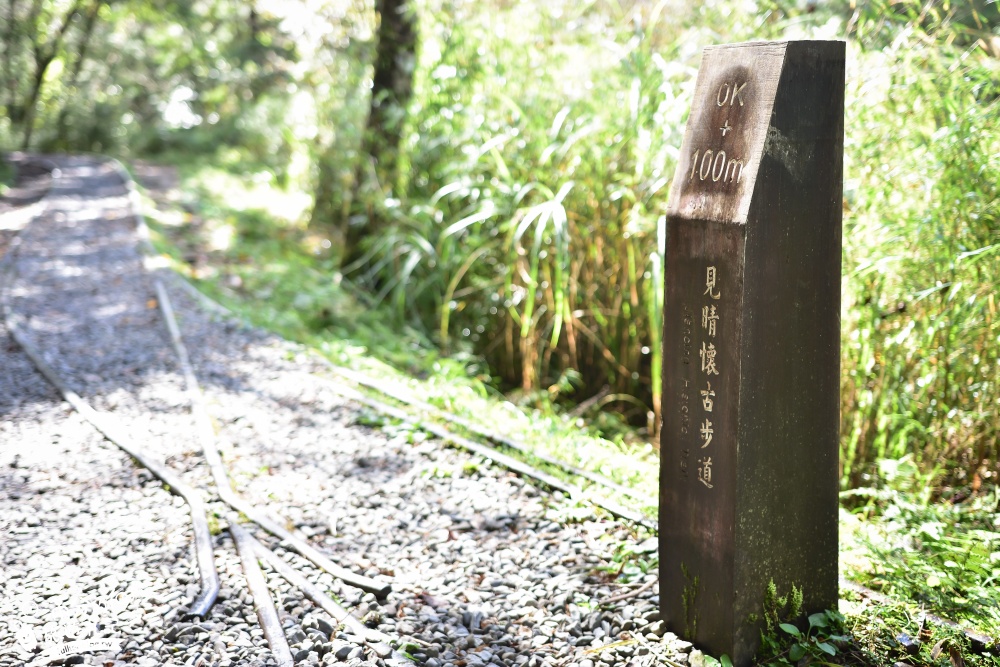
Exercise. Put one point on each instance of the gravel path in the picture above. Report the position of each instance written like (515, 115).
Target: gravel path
(18, 204)
(485, 568)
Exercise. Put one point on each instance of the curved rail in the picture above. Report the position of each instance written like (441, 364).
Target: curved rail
(107, 426)
(488, 450)
(483, 432)
(509, 462)
(251, 551)
(979, 641)
(206, 434)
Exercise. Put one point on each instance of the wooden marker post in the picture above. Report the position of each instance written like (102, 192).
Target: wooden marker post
(749, 453)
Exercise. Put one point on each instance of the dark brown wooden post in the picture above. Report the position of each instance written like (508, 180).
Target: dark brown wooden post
(749, 451)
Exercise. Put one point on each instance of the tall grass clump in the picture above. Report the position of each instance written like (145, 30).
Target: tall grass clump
(530, 229)
(921, 345)
(527, 224)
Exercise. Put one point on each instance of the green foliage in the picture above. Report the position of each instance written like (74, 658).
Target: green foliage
(922, 228)
(887, 633)
(632, 559)
(530, 229)
(6, 177)
(944, 556)
(784, 643)
(780, 608)
(818, 644)
(96, 75)
(526, 229)
(688, 597)
(214, 527)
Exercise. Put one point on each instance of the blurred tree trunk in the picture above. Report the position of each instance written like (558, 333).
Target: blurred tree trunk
(10, 78)
(44, 53)
(81, 56)
(392, 87)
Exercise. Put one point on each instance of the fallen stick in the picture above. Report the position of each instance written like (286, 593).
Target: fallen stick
(379, 641)
(116, 435)
(630, 594)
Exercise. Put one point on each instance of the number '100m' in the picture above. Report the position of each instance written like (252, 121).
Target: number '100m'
(715, 167)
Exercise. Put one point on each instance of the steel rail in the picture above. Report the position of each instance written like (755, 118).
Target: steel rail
(206, 434)
(117, 435)
(267, 615)
(486, 450)
(483, 432)
(378, 640)
(337, 612)
(203, 420)
(978, 639)
(492, 454)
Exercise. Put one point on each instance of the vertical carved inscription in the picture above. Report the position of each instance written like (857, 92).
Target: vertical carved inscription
(684, 395)
(702, 334)
(701, 343)
(710, 367)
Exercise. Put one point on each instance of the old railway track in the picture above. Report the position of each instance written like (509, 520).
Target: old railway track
(63, 295)
(195, 451)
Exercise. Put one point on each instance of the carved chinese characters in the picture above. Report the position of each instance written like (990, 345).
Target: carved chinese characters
(709, 319)
(748, 474)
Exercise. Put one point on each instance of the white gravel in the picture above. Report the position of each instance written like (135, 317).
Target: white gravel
(485, 568)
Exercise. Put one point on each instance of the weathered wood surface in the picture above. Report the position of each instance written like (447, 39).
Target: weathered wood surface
(749, 451)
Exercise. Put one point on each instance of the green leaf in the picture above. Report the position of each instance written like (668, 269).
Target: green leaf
(796, 652)
(818, 620)
(726, 661)
(790, 629)
(485, 213)
(827, 648)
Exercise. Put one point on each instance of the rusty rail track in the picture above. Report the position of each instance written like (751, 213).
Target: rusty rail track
(250, 550)
(116, 434)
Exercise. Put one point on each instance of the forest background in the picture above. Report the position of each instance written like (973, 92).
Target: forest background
(501, 194)
(477, 188)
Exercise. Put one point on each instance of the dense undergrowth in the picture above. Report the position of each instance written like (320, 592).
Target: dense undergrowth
(523, 249)
(528, 228)
(524, 231)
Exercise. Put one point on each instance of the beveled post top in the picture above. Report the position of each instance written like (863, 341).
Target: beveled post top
(730, 130)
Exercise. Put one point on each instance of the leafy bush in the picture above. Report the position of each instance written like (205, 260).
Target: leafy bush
(529, 229)
(945, 556)
(922, 234)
